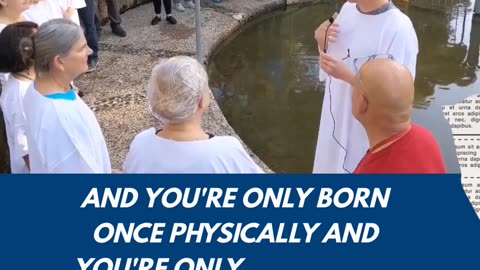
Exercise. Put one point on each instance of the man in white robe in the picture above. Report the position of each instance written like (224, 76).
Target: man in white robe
(363, 30)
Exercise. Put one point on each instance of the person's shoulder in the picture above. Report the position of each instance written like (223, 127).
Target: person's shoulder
(400, 19)
(423, 134)
(10, 85)
(224, 146)
(349, 6)
(145, 135)
(231, 150)
(226, 142)
(421, 130)
(12, 92)
(35, 103)
(228, 146)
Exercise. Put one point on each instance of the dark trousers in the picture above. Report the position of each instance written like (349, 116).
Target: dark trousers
(87, 17)
(157, 4)
(113, 14)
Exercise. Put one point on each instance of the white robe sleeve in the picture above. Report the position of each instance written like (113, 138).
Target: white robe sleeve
(243, 160)
(76, 4)
(73, 163)
(65, 145)
(404, 47)
(20, 135)
(63, 156)
(128, 163)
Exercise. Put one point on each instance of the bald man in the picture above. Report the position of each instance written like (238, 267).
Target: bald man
(382, 102)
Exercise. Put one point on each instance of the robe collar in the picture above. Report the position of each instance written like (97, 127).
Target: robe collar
(389, 5)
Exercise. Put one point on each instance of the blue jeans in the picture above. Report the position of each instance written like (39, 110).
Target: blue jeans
(87, 17)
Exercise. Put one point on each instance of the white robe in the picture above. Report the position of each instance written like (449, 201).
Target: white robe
(11, 102)
(44, 11)
(342, 140)
(75, 4)
(3, 76)
(63, 135)
(220, 154)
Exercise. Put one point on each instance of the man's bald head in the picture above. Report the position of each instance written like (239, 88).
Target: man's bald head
(385, 93)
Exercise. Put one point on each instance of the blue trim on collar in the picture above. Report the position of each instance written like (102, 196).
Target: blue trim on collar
(70, 95)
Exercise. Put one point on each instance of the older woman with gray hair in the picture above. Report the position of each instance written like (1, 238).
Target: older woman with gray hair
(178, 95)
(62, 132)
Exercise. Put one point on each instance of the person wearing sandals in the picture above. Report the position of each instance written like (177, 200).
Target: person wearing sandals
(157, 5)
(178, 95)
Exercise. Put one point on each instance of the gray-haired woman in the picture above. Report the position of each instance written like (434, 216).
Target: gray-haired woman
(63, 133)
(179, 95)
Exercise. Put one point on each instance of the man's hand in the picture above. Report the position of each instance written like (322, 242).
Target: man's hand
(336, 68)
(332, 35)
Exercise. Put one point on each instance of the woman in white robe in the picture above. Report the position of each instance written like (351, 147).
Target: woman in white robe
(355, 37)
(21, 76)
(63, 133)
(179, 95)
(10, 12)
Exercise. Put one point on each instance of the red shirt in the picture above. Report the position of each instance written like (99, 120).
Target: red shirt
(417, 152)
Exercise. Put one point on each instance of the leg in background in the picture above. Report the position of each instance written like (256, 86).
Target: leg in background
(168, 10)
(157, 5)
(177, 4)
(87, 16)
(115, 19)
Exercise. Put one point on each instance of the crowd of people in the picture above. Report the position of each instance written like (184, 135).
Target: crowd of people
(366, 118)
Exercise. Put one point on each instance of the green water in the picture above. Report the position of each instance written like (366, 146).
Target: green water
(265, 79)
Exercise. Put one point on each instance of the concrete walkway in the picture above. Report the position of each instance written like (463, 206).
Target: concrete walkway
(116, 91)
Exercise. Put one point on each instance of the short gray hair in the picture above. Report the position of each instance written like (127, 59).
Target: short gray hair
(175, 89)
(55, 37)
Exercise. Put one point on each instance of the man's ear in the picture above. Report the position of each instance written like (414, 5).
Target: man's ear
(363, 106)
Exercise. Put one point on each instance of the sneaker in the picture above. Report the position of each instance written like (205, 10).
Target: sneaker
(156, 20)
(171, 19)
(189, 4)
(179, 7)
(118, 30)
(92, 65)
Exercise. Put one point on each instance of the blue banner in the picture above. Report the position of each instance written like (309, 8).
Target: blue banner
(223, 222)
